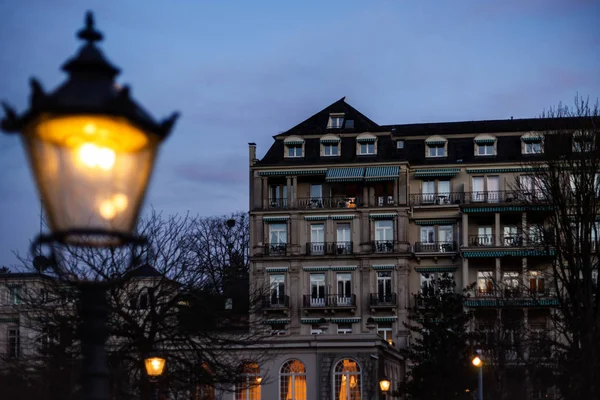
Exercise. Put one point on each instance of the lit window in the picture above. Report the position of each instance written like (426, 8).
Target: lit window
(330, 149)
(485, 283)
(294, 151)
(247, 386)
(347, 382)
(366, 148)
(437, 150)
(385, 331)
(485, 149)
(292, 381)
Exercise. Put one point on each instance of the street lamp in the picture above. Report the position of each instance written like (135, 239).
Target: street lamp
(155, 366)
(477, 362)
(91, 149)
(384, 385)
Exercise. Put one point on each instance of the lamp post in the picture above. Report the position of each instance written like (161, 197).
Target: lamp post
(477, 362)
(384, 385)
(155, 365)
(91, 149)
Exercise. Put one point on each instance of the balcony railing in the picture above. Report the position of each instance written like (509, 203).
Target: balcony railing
(275, 249)
(435, 247)
(276, 302)
(278, 203)
(383, 300)
(436, 199)
(482, 240)
(328, 248)
(504, 196)
(329, 300)
(383, 246)
(327, 202)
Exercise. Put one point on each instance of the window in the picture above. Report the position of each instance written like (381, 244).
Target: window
(14, 295)
(317, 239)
(144, 301)
(384, 236)
(536, 234)
(485, 283)
(510, 280)
(316, 196)
(478, 189)
(14, 343)
(536, 283)
(444, 190)
(294, 150)
(317, 290)
(437, 150)
(349, 124)
(384, 287)
(385, 331)
(292, 381)
(582, 144)
(343, 239)
(336, 121)
(485, 149)
(511, 236)
(532, 148)
(347, 380)
(344, 329)
(484, 236)
(277, 196)
(247, 386)
(330, 149)
(428, 191)
(277, 238)
(427, 234)
(366, 148)
(493, 189)
(344, 289)
(400, 144)
(427, 284)
(277, 287)
(531, 187)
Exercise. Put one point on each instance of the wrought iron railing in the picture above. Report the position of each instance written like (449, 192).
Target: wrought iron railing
(277, 203)
(275, 249)
(485, 240)
(383, 246)
(435, 247)
(327, 202)
(383, 299)
(281, 301)
(328, 248)
(329, 300)
(436, 199)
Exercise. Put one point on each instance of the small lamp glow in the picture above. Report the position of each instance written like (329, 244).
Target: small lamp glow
(258, 379)
(477, 361)
(155, 366)
(384, 385)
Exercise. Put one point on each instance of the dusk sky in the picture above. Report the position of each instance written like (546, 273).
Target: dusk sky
(243, 71)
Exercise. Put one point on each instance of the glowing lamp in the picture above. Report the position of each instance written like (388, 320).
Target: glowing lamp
(384, 385)
(91, 149)
(476, 361)
(154, 366)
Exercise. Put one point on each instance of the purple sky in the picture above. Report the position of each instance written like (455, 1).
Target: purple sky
(242, 71)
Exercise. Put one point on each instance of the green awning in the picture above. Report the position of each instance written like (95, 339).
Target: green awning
(344, 268)
(279, 218)
(11, 285)
(342, 217)
(347, 174)
(312, 320)
(502, 170)
(9, 320)
(316, 217)
(293, 172)
(345, 320)
(485, 141)
(315, 268)
(276, 269)
(435, 142)
(493, 209)
(382, 216)
(508, 253)
(383, 267)
(426, 173)
(511, 302)
(532, 139)
(435, 222)
(435, 269)
(280, 321)
(382, 173)
(294, 142)
(385, 319)
(333, 141)
(366, 139)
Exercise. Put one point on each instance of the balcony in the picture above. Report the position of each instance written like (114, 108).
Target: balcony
(439, 199)
(504, 196)
(275, 249)
(329, 301)
(277, 204)
(328, 248)
(276, 302)
(482, 240)
(435, 247)
(327, 202)
(388, 300)
(383, 246)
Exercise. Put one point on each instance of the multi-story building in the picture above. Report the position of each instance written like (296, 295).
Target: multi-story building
(351, 219)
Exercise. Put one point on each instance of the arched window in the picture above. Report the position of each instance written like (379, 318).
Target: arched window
(347, 382)
(248, 383)
(292, 381)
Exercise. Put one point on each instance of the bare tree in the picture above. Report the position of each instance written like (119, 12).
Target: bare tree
(184, 293)
(564, 183)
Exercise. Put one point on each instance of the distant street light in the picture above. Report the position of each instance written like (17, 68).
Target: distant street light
(477, 362)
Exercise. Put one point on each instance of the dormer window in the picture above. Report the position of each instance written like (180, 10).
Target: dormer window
(330, 146)
(294, 147)
(366, 144)
(582, 143)
(485, 145)
(436, 146)
(531, 143)
(336, 121)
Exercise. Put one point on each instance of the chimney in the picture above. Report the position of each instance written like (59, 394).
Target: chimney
(252, 153)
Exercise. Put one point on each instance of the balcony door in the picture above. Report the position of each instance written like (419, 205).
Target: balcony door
(443, 193)
(428, 191)
(277, 285)
(445, 238)
(316, 196)
(493, 189)
(317, 239)
(344, 289)
(485, 283)
(384, 236)
(317, 290)
(478, 189)
(484, 236)
(384, 287)
(343, 239)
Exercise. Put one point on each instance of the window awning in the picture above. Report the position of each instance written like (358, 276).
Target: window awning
(485, 141)
(344, 268)
(382, 173)
(383, 267)
(382, 216)
(330, 140)
(435, 269)
(280, 321)
(435, 222)
(385, 319)
(279, 218)
(345, 320)
(316, 217)
(426, 173)
(294, 142)
(366, 139)
(348, 174)
(531, 139)
(9, 320)
(293, 172)
(435, 142)
(276, 269)
(342, 217)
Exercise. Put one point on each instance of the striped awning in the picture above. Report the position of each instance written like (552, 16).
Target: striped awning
(385, 319)
(382, 173)
(366, 139)
(330, 140)
(501, 170)
(435, 222)
(279, 321)
(435, 269)
(344, 268)
(316, 217)
(382, 216)
(315, 268)
(347, 174)
(312, 320)
(9, 320)
(532, 139)
(508, 253)
(345, 320)
(342, 217)
(485, 141)
(511, 302)
(435, 142)
(425, 173)
(278, 218)
(294, 142)
(276, 269)
(293, 172)
(383, 267)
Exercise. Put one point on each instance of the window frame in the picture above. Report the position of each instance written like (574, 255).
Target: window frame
(13, 342)
(485, 146)
(295, 148)
(331, 146)
(338, 118)
(437, 147)
(366, 148)
(291, 376)
(384, 229)
(337, 372)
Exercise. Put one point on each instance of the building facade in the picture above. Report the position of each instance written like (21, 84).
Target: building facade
(351, 219)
